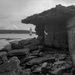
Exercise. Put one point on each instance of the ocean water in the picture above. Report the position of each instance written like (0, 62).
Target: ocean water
(23, 36)
(4, 42)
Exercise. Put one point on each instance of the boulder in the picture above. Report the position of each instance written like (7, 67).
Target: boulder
(11, 65)
(18, 51)
(24, 42)
(16, 45)
(28, 58)
(8, 73)
(38, 60)
(38, 69)
(35, 41)
(35, 52)
(3, 55)
(59, 62)
(58, 71)
(31, 47)
(13, 42)
(27, 72)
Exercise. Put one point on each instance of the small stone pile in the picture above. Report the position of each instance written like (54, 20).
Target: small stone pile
(29, 57)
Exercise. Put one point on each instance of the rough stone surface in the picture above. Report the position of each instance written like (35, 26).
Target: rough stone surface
(35, 61)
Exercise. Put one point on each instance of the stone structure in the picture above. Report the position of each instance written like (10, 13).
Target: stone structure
(56, 22)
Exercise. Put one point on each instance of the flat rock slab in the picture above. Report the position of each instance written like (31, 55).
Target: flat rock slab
(8, 73)
(31, 47)
(24, 42)
(19, 51)
(12, 64)
(35, 52)
(41, 59)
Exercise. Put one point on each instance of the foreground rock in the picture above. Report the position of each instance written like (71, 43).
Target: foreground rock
(16, 45)
(18, 51)
(38, 60)
(28, 57)
(11, 66)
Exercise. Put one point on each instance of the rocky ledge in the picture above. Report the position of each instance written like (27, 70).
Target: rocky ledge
(29, 57)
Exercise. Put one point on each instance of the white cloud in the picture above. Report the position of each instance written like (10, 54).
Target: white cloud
(15, 10)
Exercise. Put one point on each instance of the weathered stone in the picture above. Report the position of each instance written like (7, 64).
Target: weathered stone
(3, 55)
(11, 65)
(19, 51)
(38, 69)
(31, 47)
(62, 56)
(30, 57)
(59, 62)
(8, 73)
(41, 59)
(27, 72)
(13, 42)
(24, 42)
(27, 59)
(35, 52)
(16, 45)
(35, 41)
(58, 71)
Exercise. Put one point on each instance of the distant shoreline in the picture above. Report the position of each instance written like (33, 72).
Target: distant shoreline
(10, 38)
(15, 32)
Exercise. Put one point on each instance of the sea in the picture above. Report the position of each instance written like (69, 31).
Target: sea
(6, 38)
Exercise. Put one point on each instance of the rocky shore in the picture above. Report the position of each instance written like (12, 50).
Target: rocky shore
(29, 57)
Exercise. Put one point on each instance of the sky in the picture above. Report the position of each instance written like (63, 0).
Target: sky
(13, 11)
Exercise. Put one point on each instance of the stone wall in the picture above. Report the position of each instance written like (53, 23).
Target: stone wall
(56, 35)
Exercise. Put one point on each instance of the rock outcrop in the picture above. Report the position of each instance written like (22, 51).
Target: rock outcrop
(55, 23)
(32, 61)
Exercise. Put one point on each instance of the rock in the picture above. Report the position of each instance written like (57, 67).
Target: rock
(8, 73)
(58, 71)
(11, 65)
(42, 69)
(38, 69)
(30, 57)
(35, 52)
(44, 64)
(31, 44)
(62, 56)
(35, 41)
(27, 71)
(41, 59)
(3, 55)
(16, 45)
(31, 47)
(24, 42)
(28, 43)
(66, 74)
(59, 62)
(18, 51)
(16, 42)
(27, 59)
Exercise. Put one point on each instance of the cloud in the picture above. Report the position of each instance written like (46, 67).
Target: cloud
(15, 10)
(65, 2)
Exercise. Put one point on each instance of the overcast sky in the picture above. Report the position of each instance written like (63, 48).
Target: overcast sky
(13, 11)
